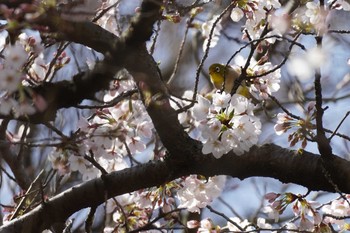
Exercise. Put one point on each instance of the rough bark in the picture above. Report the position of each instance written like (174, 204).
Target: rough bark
(266, 161)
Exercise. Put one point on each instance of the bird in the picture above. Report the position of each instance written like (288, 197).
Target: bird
(219, 72)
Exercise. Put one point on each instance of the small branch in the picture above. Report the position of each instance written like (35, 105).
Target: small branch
(206, 52)
(274, 99)
(111, 103)
(104, 11)
(341, 122)
(8, 174)
(131, 158)
(57, 131)
(172, 76)
(10, 158)
(322, 141)
(62, 46)
(153, 46)
(90, 219)
(92, 160)
(227, 205)
(225, 217)
(339, 31)
(22, 139)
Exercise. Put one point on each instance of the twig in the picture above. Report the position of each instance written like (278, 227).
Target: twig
(153, 46)
(104, 11)
(92, 160)
(111, 103)
(225, 217)
(274, 99)
(57, 131)
(206, 52)
(229, 207)
(341, 122)
(8, 174)
(62, 46)
(131, 158)
(23, 137)
(171, 79)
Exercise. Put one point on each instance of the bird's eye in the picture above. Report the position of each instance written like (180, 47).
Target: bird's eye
(217, 69)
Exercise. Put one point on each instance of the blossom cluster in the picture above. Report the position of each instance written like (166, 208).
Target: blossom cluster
(11, 77)
(304, 127)
(261, 14)
(108, 137)
(198, 193)
(310, 215)
(268, 83)
(211, 26)
(131, 209)
(306, 210)
(236, 224)
(256, 12)
(23, 65)
(225, 123)
(337, 213)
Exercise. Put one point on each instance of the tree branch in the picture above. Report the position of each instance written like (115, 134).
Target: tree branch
(268, 161)
(14, 162)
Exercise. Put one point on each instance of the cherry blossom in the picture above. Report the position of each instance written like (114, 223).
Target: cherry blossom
(6, 104)
(23, 108)
(31, 41)
(77, 163)
(196, 194)
(144, 129)
(245, 224)
(201, 110)
(227, 123)
(255, 12)
(135, 145)
(304, 127)
(192, 224)
(236, 14)
(15, 56)
(206, 29)
(10, 80)
(261, 222)
(271, 212)
(59, 160)
(266, 84)
(337, 208)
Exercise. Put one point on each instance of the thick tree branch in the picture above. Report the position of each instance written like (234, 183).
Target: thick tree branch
(65, 94)
(14, 3)
(269, 161)
(86, 33)
(141, 27)
(129, 52)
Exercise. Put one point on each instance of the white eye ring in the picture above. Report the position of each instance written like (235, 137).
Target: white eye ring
(217, 69)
